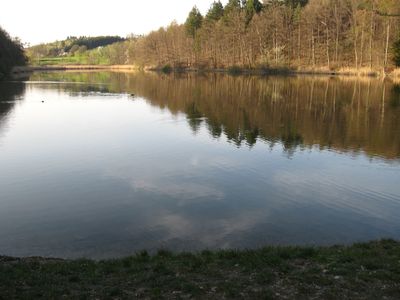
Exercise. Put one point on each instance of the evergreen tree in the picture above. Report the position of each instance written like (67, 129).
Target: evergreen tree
(193, 22)
(296, 3)
(289, 3)
(215, 12)
(252, 7)
(231, 6)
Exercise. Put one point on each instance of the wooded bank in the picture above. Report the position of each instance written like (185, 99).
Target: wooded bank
(11, 54)
(332, 34)
(275, 34)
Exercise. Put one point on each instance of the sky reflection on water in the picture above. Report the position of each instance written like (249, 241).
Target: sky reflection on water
(95, 174)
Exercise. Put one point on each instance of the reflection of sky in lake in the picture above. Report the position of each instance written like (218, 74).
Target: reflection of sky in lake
(106, 176)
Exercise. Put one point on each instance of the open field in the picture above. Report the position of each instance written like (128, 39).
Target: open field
(362, 271)
(74, 60)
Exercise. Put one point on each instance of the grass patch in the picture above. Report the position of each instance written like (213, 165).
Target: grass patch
(51, 61)
(361, 271)
(235, 70)
(166, 69)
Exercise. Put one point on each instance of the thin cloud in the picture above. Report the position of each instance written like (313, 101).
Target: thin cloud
(46, 20)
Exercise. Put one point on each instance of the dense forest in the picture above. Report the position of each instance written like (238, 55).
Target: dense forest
(11, 54)
(74, 50)
(290, 33)
(325, 34)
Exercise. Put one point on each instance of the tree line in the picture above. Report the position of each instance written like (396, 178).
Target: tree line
(71, 46)
(276, 33)
(11, 53)
(326, 34)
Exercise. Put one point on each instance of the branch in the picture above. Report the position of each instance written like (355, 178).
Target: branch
(386, 14)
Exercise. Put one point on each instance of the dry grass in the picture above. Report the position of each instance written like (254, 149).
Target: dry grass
(395, 73)
(351, 71)
(365, 71)
(315, 70)
(74, 67)
(345, 71)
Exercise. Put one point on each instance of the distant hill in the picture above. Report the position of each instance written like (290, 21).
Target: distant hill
(11, 54)
(71, 45)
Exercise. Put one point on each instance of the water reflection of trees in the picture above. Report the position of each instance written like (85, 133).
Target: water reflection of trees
(9, 92)
(344, 114)
(75, 83)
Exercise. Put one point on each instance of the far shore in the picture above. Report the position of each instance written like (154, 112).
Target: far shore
(27, 69)
(361, 72)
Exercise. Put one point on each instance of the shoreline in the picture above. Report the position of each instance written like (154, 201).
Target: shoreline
(30, 69)
(351, 72)
(360, 271)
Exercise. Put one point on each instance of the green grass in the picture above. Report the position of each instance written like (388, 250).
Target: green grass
(235, 70)
(68, 60)
(166, 69)
(362, 271)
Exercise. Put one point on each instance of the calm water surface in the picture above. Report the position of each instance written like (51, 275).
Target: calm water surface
(105, 164)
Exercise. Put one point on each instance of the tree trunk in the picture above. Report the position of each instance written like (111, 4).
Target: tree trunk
(362, 42)
(327, 44)
(371, 34)
(337, 35)
(387, 42)
(313, 47)
(299, 44)
(355, 48)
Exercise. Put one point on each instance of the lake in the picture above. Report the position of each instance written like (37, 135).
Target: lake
(104, 164)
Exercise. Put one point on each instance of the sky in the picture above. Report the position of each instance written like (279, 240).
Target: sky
(41, 21)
